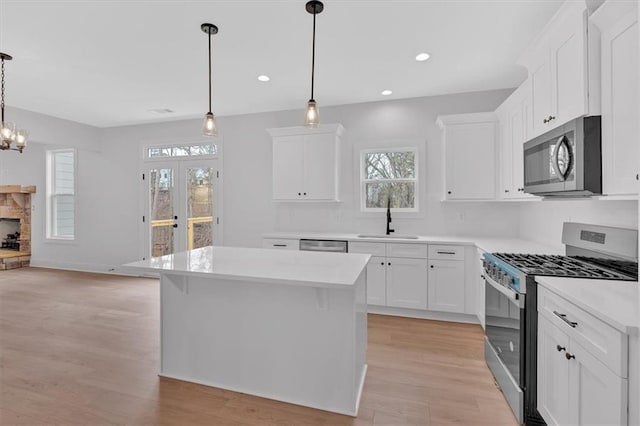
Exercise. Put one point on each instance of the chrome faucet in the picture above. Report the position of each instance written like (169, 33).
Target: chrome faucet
(389, 230)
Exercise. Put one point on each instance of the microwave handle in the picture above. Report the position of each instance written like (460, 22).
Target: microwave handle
(554, 157)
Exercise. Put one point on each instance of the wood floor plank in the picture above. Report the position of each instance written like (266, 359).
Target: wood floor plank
(82, 348)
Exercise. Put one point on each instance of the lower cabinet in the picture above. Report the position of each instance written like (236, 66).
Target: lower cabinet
(377, 281)
(575, 387)
(406, 283)
(446, 285)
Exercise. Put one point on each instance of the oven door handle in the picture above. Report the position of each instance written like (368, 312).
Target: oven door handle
(516, 298)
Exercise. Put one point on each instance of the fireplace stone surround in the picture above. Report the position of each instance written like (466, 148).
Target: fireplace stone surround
(15, 203)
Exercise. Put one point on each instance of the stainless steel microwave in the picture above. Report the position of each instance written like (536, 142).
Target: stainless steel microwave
(565, 161)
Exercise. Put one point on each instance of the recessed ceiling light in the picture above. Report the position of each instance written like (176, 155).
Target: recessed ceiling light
(263, 77)
(422, 57)
(386, 92)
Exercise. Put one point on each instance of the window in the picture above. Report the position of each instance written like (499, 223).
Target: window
(61, 184)
(181, 150)
(389, 174)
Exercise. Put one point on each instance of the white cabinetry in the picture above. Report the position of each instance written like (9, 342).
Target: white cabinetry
(514, 118)
(618, 24)
(407, 283)
(563, 69)
(399, 279)
(306, 163)
(469, 156)
(582, 366)
(446, 278)
(281, 243)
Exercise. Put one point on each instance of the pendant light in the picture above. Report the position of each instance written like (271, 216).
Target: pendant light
(312, 115)
(209, 127)
(8, 133)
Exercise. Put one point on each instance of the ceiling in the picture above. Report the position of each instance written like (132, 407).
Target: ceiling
(108, 63)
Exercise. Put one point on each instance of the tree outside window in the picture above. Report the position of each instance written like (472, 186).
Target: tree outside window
(389, 174)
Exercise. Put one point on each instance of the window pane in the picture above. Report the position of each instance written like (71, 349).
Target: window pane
(402, 195)
(63, 178)
(180, 151)
(64, 215)
(389, 165)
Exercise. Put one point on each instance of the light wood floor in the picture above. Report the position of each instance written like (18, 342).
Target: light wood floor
(80, 348)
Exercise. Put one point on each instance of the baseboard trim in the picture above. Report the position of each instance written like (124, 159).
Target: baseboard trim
(87, 267)
(416, 313)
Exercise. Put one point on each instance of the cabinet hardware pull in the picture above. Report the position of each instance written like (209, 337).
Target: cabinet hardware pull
(551, 117)
(389, 264)
(569, 356)
(446, 252)
(449, 192)
(431, 266)
(506, 190)
(304, 193)
(563, 317)
(299, 193)
(382, 263)
(175, 218)
(560, 348)
(637, 176)
(175, 225)
(482, 276)
(279, 245)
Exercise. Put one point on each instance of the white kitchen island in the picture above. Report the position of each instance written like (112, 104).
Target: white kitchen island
(280, 324)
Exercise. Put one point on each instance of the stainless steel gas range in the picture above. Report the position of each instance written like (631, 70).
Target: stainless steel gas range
(596, 252)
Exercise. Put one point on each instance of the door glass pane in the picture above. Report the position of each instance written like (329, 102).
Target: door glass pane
(161, 191)
(199, 207)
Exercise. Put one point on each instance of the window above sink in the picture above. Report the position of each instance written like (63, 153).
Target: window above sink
(389, 174)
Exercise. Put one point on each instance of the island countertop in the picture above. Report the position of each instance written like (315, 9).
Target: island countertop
(312, 269)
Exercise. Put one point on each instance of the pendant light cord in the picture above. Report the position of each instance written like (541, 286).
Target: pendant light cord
(2, 100)
(209, 72)
(313, 53)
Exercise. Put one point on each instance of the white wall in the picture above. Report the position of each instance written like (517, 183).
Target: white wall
(542, 221)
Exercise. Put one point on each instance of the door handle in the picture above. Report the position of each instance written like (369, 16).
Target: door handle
(175, 218)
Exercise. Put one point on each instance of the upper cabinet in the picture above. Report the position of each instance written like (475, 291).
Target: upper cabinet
(563, 64)
(514, 121)
(618, 24)
(469, 156)
(306, 163)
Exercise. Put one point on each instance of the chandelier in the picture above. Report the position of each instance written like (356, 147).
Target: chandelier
(9, 135)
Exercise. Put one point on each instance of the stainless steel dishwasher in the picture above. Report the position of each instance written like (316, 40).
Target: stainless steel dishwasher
(333, 246)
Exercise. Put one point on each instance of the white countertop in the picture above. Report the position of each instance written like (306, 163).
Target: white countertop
(312, 269)
(614, 302)
(492, 245)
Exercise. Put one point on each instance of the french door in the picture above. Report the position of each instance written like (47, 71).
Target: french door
(181, 205)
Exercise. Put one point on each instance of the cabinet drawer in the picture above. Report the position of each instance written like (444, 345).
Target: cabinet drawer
(446, 252)
(374, 249)
(279, 243)
(600, 339)
(416, 251)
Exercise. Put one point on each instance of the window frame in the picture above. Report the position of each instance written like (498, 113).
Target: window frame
(415, 180)
(50, 229)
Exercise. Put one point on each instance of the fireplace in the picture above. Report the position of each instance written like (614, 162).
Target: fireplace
(15, 226)
(10, 233)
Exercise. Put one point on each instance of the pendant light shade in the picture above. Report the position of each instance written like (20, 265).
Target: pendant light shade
(9, 135)
(312, 115)
(209, 127)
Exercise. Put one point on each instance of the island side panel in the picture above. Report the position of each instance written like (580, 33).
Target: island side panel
(361, 335)
(281, 341)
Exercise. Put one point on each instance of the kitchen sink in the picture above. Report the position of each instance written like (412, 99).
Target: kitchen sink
(398, 236)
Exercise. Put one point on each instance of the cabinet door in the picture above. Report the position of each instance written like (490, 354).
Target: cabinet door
(569, 70)
(620, 132)
(446, 285)
(540, 96)
(377, 281)
(319, 182)
(505, 155)
(407, 283)
(597, 396)
(516, 127)
(470, 161)
(553, 374)
(480, 292)
(288, 153)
